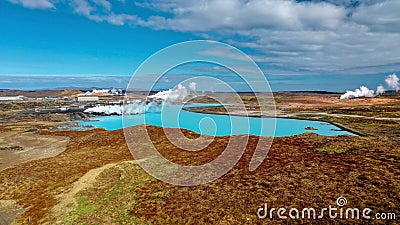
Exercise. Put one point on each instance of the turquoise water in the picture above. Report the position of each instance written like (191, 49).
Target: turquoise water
(216, 125)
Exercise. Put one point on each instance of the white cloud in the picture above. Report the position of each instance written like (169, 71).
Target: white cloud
(316, 36)
(225, 52)
(82, 7)
(383, 16)
(349, 47)
(336, 36)
(101, 10)
(205, 15)
(104, 3)
(120, 19)
(34, 4)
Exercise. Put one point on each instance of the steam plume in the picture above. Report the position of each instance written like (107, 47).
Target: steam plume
(131, 108)
(176, 95)
(359, 92)
(139, 107)
(393, 81)
(192, 86)
(380, 90)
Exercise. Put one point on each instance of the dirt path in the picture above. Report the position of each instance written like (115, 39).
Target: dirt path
(17, 147)
(67, 199)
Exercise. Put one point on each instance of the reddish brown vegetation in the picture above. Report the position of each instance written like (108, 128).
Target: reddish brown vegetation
(295, 174)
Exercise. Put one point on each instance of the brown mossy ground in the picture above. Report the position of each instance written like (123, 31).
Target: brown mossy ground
(301, 171)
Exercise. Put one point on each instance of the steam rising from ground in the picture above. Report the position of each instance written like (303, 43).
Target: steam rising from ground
(139, 107)
(380, 90)
(131, 108)
(392, 81)
(176, 95)
(192, 86)
(359, 92)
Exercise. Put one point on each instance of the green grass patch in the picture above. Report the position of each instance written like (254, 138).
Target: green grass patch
(111, 198)
(84, 206)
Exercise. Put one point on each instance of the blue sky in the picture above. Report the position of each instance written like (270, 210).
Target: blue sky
(284, 37)
(59, 41)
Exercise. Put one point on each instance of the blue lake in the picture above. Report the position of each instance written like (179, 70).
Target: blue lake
(217, 125)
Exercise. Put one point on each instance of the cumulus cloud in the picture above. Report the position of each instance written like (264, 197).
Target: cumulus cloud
(104, 3)
(347, 48)
(383, 16)
(335, 36)
(313, 36)
(34, 4)
(101, 10)
(195, 15)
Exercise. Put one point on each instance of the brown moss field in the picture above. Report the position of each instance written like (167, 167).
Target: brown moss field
(96, 180)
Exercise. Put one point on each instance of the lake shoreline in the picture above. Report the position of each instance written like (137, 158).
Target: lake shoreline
(341, 126)
(226, 126)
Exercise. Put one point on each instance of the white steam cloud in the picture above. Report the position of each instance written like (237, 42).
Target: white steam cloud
(380, 90)
(192, 86)
(176, 95)
(139, 107)
(131, 108)
(359, 92)
(392, 81)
